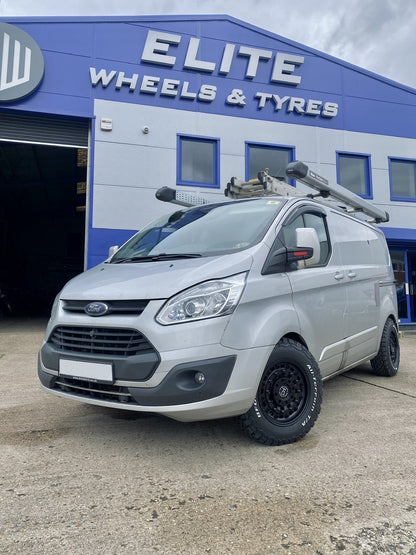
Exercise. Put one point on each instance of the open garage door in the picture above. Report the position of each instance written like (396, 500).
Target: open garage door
(43, 182)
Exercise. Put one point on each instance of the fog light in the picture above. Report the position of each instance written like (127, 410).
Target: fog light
(199, 378)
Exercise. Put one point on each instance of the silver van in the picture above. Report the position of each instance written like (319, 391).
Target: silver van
(240, 308)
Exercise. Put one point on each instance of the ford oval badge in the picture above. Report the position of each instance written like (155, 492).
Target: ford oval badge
(96, 309)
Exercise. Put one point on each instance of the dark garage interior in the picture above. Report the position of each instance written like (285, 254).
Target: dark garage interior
(42, 224)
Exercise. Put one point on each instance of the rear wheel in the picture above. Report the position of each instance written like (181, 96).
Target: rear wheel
(386, 363)
(288, 398)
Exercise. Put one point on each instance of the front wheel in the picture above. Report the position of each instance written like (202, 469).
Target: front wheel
(386, 363)
(288, 398)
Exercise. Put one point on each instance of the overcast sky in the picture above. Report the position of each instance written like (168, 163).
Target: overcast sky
(379, 35)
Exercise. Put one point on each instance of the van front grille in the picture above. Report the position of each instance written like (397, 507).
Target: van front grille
(100, 341)
(121, 307)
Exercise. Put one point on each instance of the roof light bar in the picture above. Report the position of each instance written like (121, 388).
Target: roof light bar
(167, 194)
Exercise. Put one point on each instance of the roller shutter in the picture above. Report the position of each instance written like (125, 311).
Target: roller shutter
(44, 130)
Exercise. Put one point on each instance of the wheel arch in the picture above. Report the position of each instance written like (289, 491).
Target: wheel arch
(395, 320)
(388, 316)
(295, 337)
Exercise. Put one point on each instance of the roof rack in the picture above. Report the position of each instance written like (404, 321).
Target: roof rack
(267, 185)
(300, 171)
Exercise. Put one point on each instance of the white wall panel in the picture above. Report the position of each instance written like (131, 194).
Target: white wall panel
(136, 166)
(129, 166)
(381, 186)
(125, 208)
(402, 214)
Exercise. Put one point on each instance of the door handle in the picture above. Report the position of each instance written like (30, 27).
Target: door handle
(339, 275)
(352, 274)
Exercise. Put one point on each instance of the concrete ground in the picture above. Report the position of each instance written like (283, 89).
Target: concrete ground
(80, 479)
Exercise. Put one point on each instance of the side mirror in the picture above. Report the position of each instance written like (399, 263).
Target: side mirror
(276, 262)
(287, 259)
(307, 239)
(112, 251)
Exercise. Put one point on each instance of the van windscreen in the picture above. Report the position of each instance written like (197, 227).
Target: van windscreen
(207, 230)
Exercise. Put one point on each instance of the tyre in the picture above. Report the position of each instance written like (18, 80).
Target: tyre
(386, 363)
(288, 398)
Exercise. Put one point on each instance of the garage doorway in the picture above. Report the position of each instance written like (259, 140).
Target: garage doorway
(42, 223)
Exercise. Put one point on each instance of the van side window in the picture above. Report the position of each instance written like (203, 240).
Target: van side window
(288, 232)
(315, 220)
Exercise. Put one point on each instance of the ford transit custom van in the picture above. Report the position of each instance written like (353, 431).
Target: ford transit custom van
(235, 309)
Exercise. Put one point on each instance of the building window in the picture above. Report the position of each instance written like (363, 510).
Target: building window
(198, 161)
(274, 158)
(354, 173)
(402, 179)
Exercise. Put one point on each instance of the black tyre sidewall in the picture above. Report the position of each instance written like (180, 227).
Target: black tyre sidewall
(382, 364)
(393, 333)
(289, 351)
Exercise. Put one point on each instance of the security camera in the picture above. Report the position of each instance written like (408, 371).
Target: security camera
(145, 129)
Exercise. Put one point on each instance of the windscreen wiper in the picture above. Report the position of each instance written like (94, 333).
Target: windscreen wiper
(157, 257)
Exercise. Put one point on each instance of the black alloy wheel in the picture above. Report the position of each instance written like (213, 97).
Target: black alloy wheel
(288, 398)
(282, 393)
(387, 361)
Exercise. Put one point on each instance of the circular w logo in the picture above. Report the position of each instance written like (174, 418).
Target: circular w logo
(21, 63)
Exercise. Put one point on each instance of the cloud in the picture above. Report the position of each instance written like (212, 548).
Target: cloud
(378, 35)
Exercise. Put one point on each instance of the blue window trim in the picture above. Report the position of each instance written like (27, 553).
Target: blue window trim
(216, 170)
(399, 159)
(270, 146)
(368, 170)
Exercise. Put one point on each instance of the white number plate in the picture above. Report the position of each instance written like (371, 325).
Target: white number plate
(94, 371)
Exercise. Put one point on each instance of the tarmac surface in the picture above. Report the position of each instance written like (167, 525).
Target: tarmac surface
(81, 479)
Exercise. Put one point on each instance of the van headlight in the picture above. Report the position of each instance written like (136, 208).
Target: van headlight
(206, 300)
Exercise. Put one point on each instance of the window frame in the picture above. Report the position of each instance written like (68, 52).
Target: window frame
(368, 171)
(400, 159)
(215, 141)
(268, 146)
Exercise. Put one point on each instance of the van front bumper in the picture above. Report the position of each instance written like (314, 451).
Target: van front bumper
(193, 389)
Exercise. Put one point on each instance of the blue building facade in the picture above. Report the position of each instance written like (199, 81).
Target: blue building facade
(130, 104)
